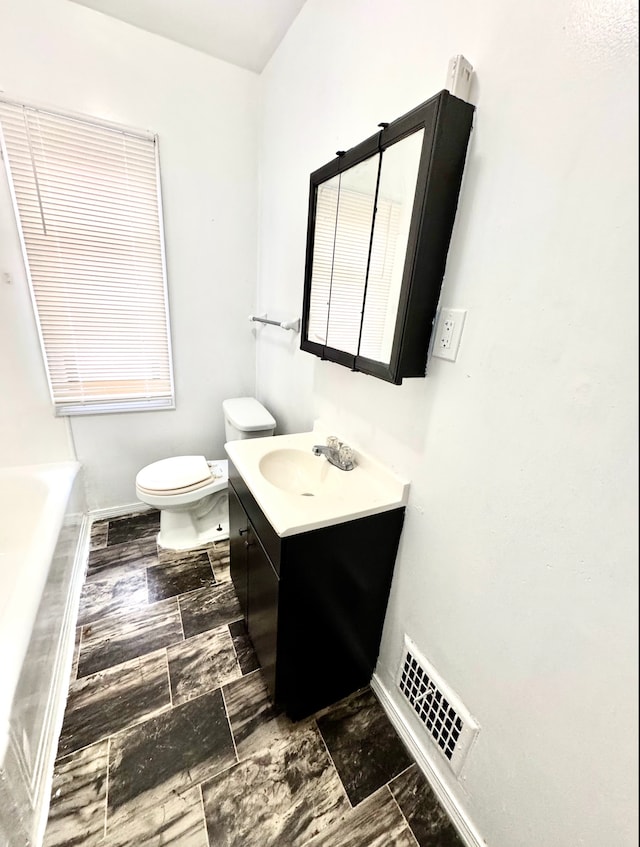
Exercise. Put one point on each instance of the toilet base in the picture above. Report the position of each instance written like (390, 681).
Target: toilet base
(188, 529)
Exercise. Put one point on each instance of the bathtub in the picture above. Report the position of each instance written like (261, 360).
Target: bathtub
(42, 555)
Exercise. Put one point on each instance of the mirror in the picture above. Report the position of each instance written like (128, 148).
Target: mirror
(396, 192)
(367, 269)
(344, 217)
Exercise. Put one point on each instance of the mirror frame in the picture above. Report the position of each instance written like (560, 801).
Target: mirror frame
(447, 122)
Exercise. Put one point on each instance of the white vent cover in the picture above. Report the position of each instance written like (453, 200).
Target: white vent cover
(449, 724)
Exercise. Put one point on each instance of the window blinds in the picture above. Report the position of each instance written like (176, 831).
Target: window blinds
(344, 257)
(87, 200)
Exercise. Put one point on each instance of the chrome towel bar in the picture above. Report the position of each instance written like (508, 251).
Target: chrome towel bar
(263, 319)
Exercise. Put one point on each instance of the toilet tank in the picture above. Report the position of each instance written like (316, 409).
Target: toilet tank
(245, 417)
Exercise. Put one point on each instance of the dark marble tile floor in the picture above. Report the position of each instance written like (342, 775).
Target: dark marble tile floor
(169, 737)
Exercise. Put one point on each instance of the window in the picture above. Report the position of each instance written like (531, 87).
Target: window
(87, 202)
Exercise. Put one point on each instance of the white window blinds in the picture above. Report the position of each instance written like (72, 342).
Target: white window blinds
(87, 199)
(344, 256)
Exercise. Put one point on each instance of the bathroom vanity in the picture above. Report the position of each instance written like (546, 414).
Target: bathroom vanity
(313, 597)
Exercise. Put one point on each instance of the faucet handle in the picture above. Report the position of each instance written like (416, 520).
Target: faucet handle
(333, 442)
(346, 455)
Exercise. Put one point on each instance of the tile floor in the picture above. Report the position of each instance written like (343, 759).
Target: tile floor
(169, 737)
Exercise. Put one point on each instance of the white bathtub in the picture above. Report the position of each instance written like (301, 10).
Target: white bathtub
(41, 516)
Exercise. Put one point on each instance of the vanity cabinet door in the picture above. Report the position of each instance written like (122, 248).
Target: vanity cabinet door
(238, 532)
(262, 616)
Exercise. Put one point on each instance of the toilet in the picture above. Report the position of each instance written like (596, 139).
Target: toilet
(190, 491)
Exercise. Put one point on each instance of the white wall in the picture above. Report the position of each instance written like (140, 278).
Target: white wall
(205, 112)
(29, 432)
(517, 573)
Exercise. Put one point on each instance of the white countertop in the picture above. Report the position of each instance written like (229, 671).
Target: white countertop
(338, 496)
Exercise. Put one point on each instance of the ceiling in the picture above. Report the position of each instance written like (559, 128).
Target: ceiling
(244, 32)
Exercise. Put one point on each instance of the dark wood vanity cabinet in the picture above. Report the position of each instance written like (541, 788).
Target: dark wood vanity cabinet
(314, 603)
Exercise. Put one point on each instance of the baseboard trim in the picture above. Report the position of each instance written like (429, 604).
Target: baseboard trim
(118, 511)
(59, 689)
(449, 802)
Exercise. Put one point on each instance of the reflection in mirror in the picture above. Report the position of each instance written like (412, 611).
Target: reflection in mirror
(389, 244)
(325, 230)
(351, 254)
(344, 214)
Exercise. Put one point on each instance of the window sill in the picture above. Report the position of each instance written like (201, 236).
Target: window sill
(114, 408)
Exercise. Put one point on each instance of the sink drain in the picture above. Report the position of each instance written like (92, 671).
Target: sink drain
(307, 494)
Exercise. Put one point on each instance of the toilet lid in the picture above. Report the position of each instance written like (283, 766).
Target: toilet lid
(179, 472)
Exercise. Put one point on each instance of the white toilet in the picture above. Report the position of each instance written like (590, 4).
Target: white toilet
(190, 491)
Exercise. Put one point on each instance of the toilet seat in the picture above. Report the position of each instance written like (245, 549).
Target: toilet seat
(167, 492)
(180, 475)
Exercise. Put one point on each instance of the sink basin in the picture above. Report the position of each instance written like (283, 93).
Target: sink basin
(295, 471)
(298, 491)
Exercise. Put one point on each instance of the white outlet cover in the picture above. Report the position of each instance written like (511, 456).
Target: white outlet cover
(446, 339)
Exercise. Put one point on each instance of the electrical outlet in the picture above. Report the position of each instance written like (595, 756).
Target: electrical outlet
(448, 331)
(444, 342)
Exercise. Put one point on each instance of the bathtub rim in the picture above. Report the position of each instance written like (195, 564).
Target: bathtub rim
(55, 506)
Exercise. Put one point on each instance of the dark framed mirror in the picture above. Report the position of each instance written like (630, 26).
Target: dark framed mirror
(379, 226)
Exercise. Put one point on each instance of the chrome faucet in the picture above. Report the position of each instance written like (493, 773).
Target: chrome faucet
(336, 453)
